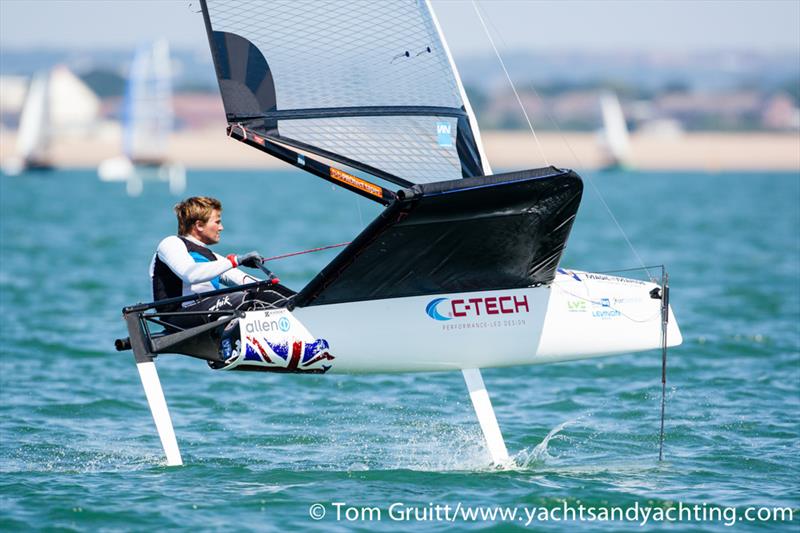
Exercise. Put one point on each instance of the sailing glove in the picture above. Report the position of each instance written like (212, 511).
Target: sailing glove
(250, 260)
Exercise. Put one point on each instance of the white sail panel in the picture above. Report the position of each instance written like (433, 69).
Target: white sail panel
(34, 133)
(344, 54)
(74, 107)
(368, 82)
(616, 140)
(409, 147)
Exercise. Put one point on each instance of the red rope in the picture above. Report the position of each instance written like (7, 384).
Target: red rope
(307, 251)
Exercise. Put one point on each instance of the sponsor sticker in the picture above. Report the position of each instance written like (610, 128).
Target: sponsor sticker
(479, 312)
(568, 273)
(358, 183)
(444, 134)
(577, 306)
(275, 341)
(613, 279)
(602, 309)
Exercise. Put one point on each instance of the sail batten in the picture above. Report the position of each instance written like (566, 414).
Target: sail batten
(362, 111)
(294, 143)
(371, 83)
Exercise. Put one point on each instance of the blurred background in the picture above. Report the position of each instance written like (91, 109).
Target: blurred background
(647, 85)
(693, 106)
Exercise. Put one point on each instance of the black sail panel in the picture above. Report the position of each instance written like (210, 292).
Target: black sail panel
(492, 232)
(245, 79)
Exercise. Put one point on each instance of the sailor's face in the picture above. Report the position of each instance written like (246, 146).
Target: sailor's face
(209, 232)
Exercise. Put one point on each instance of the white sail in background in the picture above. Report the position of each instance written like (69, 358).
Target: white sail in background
(147, 116)
(74, 107)
(616, 140)
(33, 133)
(147, 122)
(57, 104)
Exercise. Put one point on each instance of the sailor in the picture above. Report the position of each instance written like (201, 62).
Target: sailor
(183, 264)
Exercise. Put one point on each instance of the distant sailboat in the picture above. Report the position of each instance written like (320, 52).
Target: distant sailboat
(33, 137)
(147, 123)
(615, 141)
(58, 103)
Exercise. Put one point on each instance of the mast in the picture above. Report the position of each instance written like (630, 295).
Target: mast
(473, 121)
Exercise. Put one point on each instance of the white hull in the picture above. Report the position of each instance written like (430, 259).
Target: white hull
(122, 169)
(578, 316)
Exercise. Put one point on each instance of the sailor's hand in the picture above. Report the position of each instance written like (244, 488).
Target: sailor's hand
(250, 260)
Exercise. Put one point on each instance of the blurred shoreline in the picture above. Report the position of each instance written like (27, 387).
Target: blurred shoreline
(707, 151)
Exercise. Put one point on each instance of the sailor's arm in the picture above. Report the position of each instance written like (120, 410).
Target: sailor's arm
(234, 276)
(173, 253)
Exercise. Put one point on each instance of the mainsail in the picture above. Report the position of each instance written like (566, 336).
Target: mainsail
(372, 86)
(369, 85)
(58, 104)
(34, 131)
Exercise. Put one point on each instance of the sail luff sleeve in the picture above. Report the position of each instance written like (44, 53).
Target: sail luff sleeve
(370, 82)
(471, 131)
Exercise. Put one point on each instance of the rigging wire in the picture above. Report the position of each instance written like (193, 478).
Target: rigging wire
(560, 132)
(508, 77)
(311, 250)
(664, 275)
(360, 215)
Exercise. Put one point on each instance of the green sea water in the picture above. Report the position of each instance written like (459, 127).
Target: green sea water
(78, 449)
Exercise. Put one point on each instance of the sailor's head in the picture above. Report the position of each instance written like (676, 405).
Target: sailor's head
(200, 217)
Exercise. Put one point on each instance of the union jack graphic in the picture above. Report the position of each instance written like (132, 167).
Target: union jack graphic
(296, 357)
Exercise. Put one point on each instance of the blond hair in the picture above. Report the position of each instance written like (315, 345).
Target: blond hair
(196, 208)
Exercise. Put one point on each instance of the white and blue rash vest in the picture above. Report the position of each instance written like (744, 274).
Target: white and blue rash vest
(183, 265)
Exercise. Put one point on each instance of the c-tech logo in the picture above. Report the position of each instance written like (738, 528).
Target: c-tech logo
(448, 309)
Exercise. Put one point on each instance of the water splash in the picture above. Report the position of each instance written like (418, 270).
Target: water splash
(524, 459)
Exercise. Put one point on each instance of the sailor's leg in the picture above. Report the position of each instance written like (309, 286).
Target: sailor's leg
(485, 413)
(225, 302)
(152, 390)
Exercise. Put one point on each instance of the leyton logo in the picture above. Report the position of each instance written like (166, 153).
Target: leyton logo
(474, 307)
